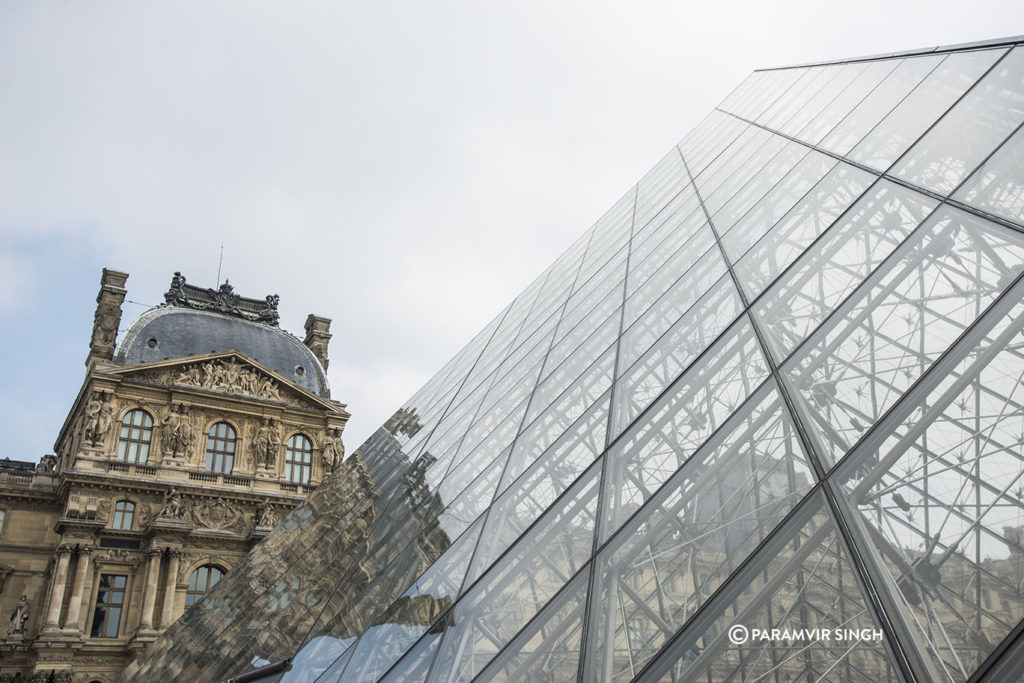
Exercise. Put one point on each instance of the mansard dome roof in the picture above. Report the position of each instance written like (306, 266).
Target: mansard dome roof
(195, 321)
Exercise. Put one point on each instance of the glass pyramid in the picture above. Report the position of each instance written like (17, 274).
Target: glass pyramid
(778, 385)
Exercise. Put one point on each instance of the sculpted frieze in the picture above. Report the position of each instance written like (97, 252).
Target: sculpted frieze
(119, 555)
(228, 376)
(218, 515)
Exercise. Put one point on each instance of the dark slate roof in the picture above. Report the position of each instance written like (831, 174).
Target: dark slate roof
(167, 332)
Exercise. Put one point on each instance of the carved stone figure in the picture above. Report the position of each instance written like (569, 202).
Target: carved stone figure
(104, 327)
(172, 506)
(97, 417)
(47, 464)
(269, 312)
(334, 450)
(176, 293)
(177, 432)
(227, 376)
(19, 617)
(265, 515)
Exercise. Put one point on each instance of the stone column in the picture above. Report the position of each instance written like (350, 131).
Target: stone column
(167, 615)
(149, 590)
(78, 588)
(60, 577)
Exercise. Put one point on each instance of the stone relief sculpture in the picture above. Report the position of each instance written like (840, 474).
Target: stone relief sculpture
(266, 445)
(47, 464)
(19, 618)
(97, 417)
(178, 434)
(105, 322)
(334, 451)
(269, 312)
(172, 506)
(219, 515)
(228, 376)
(265, 516)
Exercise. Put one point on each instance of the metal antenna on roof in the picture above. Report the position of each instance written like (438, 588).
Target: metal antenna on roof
(220, 263)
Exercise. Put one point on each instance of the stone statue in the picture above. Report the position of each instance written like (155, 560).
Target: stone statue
(176, 293)
(47, 464)
(19, 617)
(91, 419)
(172, 506)
(334, 450)
(274, 444)
(106, 418)
(177, 432)
(261, 444)
(265, 515)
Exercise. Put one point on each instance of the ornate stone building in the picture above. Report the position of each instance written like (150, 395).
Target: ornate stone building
(190, 437)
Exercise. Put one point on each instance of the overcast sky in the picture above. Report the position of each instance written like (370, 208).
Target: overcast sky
(403, 168)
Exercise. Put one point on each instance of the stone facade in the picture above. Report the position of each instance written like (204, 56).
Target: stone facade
(165, 474)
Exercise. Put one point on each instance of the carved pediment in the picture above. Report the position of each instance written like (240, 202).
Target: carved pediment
(229, 373)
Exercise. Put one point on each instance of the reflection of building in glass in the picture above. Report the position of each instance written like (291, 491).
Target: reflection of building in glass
(777, 385)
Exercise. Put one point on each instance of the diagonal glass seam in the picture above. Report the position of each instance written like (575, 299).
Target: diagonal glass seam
(467, 590)
(904, 406)
(380, 608)
(1005, 222)
(383, 515)
(984, 161)
(1006, 655)
(896, 63)
(719, 600)
(485, 516)
(896, 105)
(815, 460)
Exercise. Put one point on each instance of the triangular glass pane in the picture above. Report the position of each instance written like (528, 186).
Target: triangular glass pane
(675, 552)
(796, 611)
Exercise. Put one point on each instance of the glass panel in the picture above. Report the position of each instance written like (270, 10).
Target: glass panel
(666, 561)
(845, 99)
(672, 303)
(998, 186)
(681, 420)
(879, 102)
(803, 584)
(774, 205)
(941, 501)
(546, 480)
(897, 324)
(843, 80)
(679, 346)
(398, 627)
(800, 227)
(548, 649)
(970, 131)
(912, 117)
(509, 595)
(831, 269)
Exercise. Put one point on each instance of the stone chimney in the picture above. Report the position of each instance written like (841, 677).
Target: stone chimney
(108, 316)
(318, 335)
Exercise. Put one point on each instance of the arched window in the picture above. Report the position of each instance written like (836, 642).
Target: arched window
(136, 435)
(124, 512)
(220, 448)
(298, 459)
(200, 583)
